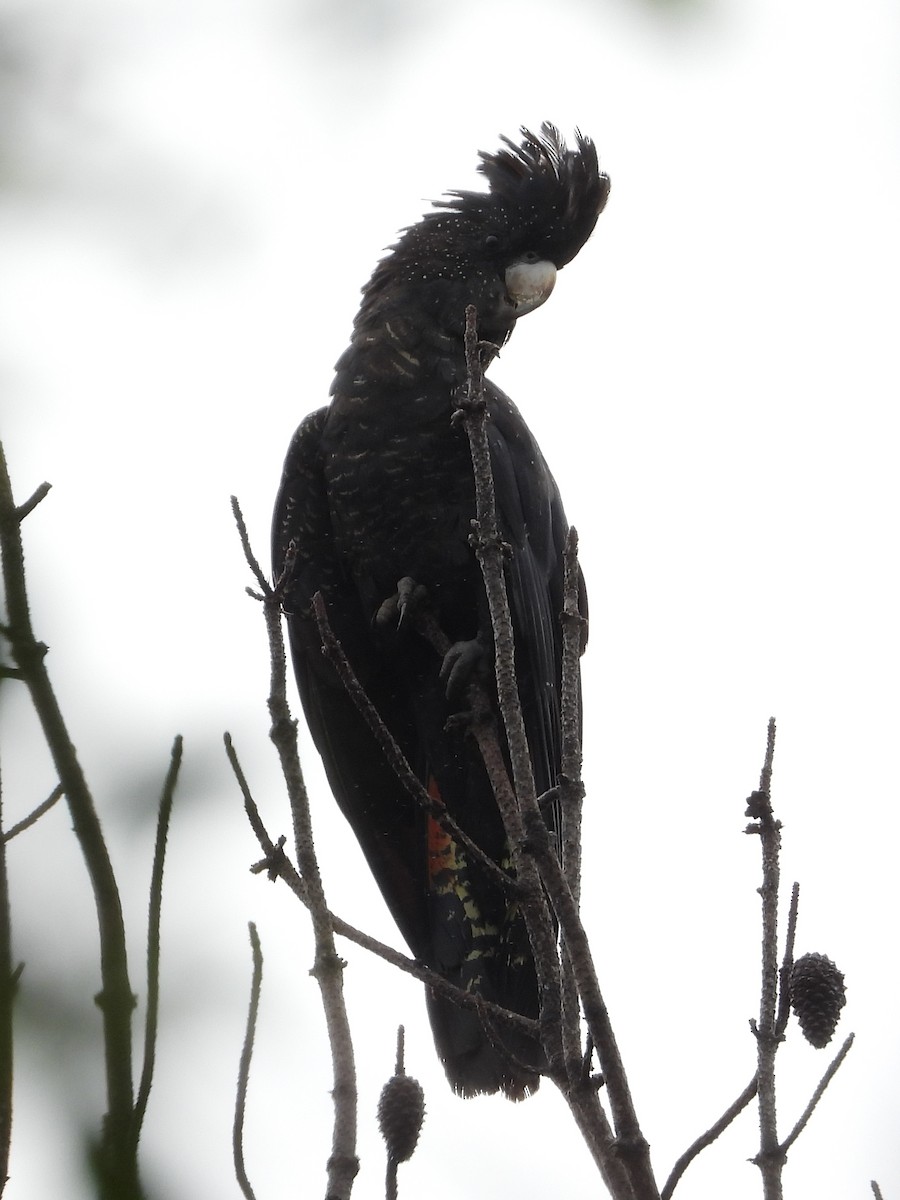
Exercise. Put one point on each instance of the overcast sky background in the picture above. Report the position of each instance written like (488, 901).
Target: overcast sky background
(193, 194)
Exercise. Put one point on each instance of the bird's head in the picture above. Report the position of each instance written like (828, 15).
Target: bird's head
(499, 250)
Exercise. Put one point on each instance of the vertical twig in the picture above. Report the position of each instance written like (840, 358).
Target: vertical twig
(240, 1105)
(625, 1163)
(116, 1162)
(390, 1178)
(343, 1163)
(488, 547)
(787, 962)
(571, 789)
(153, 923)
(770, 1158)
(7, 994)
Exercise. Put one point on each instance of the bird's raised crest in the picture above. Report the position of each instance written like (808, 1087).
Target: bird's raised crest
(540, 184)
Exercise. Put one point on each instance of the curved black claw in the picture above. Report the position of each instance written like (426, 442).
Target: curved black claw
(460, 662)
(408, 596)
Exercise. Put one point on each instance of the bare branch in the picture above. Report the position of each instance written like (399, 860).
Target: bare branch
(343, 1163)
(117, 1164)
(156, 880)
(8, 982)
(817, 1094)
(273, 851)
(707, 1138)
(240, 1105)
(876, 1191)
(35, 814)
(251, 559)
(770, 1158)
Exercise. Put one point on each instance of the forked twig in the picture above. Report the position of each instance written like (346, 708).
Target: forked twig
(774, 1008)
(343, 1163)
(117, 1162)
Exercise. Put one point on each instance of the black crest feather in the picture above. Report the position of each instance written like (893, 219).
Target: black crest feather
(551, 194)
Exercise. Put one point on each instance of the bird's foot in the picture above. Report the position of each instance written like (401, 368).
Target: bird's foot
(403, 603)
(461, 661)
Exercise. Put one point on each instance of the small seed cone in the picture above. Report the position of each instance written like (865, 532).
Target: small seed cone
(400, 1113)
(817, 997)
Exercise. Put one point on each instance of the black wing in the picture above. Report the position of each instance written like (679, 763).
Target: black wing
(386, 822)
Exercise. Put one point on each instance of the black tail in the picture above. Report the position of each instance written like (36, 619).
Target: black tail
(479, 943)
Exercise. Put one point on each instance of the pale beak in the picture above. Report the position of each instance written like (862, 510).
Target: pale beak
(529, 284)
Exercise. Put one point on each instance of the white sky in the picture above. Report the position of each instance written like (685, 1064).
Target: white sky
(195, 194)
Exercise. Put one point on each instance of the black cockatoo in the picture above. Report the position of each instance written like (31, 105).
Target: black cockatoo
(378, 489)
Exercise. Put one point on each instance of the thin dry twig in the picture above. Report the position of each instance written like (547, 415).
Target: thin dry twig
(876, 1191)
(817, 1094)
(33, 501)
(35, 815)
(706, 1139)
(240, 1107)
(787, 963)
(155, 913)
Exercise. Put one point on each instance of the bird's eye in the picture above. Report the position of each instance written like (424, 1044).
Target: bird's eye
(491, 242)
(530, 256)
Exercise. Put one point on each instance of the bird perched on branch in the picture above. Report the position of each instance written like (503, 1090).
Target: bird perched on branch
(374, 512)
